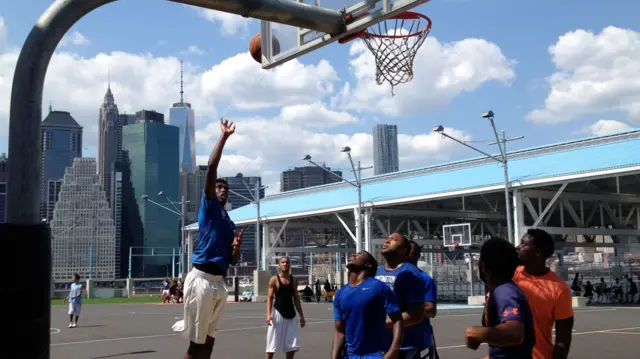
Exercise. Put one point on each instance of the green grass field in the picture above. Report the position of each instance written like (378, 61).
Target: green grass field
(141, 299)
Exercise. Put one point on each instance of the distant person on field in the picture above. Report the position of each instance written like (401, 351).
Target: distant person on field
(548, 295)
(318, 289)
(75, 301)
(166, 290)
(507, 321)
(588, 292)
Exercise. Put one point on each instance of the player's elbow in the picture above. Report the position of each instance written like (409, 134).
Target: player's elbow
(517, 331)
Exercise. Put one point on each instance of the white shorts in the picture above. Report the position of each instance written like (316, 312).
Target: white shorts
(74, 309)
(282, 334)
(205, 298)
(165, 292)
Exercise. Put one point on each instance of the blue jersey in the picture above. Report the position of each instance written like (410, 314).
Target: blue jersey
(364, 309)
(430, 295)
(165, 285)
(76, 291)
(215, 234)
(507, 302)
(409, 287)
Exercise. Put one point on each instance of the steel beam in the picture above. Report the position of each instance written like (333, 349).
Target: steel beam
(346, 228)
(518, 216)
(575, 196)
(307, 225)
(453, 214)
(551, 203)
(589, 231)
(313, 250)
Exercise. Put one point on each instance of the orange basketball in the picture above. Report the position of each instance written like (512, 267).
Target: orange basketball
(255, 47)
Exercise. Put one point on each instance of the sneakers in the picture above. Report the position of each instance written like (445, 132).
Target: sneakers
(73, 325)
(70, 325)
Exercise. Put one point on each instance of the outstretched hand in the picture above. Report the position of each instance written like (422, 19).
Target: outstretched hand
(237, 237)
(227, 127)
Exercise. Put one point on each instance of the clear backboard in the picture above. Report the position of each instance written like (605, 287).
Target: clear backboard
(455, 235)
(295, 41)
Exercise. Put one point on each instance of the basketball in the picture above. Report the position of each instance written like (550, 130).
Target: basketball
(255, 47)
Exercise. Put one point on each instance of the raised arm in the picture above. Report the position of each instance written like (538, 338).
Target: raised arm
(296, 301)
(227, 128)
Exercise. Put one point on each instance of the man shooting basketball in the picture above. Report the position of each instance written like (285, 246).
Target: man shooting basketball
(218, 246)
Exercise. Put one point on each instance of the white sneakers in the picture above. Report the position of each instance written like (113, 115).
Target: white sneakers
(73, 325)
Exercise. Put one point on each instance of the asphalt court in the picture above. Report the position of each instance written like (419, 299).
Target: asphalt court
(141, 331)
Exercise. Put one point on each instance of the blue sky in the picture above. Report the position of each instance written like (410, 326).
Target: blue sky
(510, 62)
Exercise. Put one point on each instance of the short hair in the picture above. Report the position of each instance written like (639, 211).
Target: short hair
(76, 276)
(405, 243)
(371, 266)
(417, 251)
(499, 257)
(222, 180)
(543, 241)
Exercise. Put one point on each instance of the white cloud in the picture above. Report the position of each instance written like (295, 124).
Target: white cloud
(441, 72)
(230, 24)
(278, 144)
(606, 127)
(3, 33)
(596, 73)
(241, 80)
(74, 38)
(195, 50)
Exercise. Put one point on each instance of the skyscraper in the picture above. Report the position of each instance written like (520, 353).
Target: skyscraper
(385, 149)
(61, 143)
(82, 230)
(4, 178)
(241, 190)
(110, 140)
(182, 116)
(152, 148)
(308, 176)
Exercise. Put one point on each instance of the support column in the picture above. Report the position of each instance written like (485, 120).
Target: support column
(265, 244)
(518, 217)
(358, 234)
(367, 230)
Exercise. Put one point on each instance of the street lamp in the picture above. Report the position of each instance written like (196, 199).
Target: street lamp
(182, 214)
(357, 183)
(501, 141)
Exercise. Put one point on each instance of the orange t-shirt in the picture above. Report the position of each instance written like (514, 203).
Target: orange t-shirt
(550, 299)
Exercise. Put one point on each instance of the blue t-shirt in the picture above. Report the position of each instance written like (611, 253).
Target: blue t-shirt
(165, 285)
(215, 234)
(409, 287)
(76, 290)
(430, 295)
(507, 302)
(364, 309)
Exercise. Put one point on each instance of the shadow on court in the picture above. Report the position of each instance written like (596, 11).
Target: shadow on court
(141, 331)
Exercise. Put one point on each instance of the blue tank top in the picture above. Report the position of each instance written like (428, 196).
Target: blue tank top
(215, 234)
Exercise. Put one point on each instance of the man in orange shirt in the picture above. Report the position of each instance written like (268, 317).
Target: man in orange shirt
(548, 295)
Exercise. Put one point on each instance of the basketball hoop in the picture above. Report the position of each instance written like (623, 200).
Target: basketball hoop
(393, 47)
(453, 247)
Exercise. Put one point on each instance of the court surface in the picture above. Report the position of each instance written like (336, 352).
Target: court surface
(141, 331)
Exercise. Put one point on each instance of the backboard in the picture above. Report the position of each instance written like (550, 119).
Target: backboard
(295, 42)
(456, 234)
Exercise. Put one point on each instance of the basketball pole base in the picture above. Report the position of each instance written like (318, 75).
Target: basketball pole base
(27, 262)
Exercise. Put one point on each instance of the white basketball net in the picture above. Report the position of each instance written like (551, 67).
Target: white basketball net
(395, 47)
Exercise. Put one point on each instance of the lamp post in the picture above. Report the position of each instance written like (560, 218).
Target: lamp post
(357, 183)
(182, 214)
(501, 141)
(255, 198)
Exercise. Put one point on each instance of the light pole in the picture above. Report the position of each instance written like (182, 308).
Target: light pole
(357, 183)
(255, 198)
(182, 214)
(502, 144)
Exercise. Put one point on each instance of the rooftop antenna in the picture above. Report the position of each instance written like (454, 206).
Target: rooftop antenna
(181, 84)
(109, 79)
